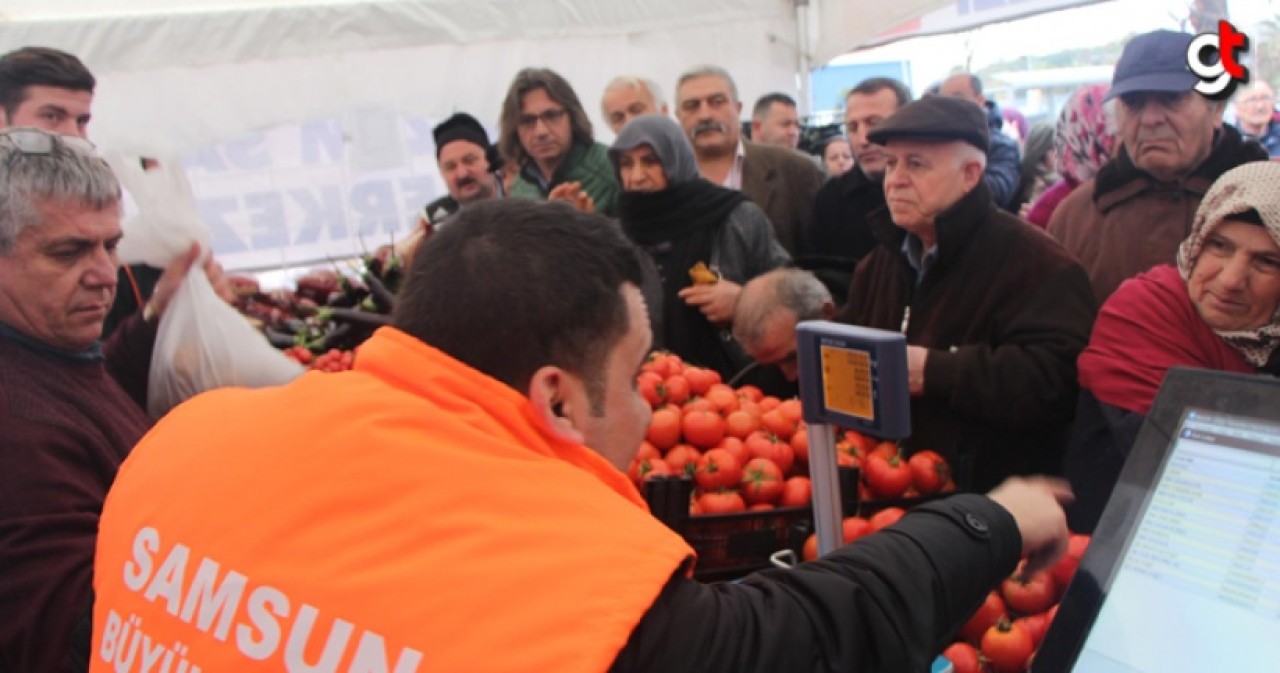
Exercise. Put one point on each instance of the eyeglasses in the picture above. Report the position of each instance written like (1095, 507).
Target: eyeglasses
(547, 117)
(37, 141)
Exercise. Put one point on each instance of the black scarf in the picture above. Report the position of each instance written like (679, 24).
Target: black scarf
(678, 227)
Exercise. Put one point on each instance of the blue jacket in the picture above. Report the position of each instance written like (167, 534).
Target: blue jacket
(1004, 161)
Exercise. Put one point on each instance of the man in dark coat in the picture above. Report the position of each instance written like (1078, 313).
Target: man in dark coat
(994, 311)
(837, 236)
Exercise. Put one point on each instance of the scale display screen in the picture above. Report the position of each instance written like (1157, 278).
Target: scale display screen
(854, 377)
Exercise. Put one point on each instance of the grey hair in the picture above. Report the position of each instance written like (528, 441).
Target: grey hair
(966, 153)
(708, 71)
(68, 175)
(632, 82)
(796, 290)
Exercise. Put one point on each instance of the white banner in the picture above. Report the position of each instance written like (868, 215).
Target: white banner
(327, 188)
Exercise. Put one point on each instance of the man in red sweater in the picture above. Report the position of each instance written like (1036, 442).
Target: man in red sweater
(69, 404)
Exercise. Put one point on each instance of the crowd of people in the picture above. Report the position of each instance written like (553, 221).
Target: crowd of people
(459, 497)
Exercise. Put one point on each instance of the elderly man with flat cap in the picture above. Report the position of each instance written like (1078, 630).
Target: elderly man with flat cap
(1138, 209)
(994, 311)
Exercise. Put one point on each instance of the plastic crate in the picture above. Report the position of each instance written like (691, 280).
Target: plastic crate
(730, 546)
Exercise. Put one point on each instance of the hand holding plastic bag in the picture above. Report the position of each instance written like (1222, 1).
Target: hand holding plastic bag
(202, 343)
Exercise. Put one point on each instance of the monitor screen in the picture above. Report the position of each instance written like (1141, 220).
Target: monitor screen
(1197, 585)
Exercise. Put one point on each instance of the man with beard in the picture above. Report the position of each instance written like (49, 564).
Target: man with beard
(838, 236)
(781, 181)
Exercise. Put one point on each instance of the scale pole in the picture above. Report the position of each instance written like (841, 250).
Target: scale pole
(824, 474)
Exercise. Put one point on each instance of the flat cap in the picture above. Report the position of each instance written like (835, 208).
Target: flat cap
(935, 119)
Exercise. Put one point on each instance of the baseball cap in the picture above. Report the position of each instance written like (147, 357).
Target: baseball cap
(1155, 61)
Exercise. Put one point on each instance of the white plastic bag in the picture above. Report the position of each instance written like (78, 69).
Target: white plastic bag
(202, 342)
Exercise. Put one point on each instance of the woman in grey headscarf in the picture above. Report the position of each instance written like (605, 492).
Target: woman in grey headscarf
(1038, 169)
(682, 220)
(1218, 309)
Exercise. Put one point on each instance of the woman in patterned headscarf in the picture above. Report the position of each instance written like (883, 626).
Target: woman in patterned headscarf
(1084, 141)
(1218, 309)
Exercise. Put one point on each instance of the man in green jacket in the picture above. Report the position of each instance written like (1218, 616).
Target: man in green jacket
(545, 131)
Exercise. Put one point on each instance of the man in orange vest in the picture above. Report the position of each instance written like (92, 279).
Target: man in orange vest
(456, 502)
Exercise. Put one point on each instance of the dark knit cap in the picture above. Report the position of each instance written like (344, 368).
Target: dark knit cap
(461, 126)
(935, 119)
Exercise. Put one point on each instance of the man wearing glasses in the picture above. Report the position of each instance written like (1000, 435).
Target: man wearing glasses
(546, 132)
(838, 235)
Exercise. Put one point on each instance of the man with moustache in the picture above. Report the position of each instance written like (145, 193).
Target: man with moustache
(626, 98)
(782, 182)
(994, 312)
(838, 235)
(463, 154)
(1138, 209)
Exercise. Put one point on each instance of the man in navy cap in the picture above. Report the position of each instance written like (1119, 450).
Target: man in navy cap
(467, 163)
(1133, 215)
(994, 312)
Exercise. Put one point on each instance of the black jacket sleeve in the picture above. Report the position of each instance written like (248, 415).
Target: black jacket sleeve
(888, 602)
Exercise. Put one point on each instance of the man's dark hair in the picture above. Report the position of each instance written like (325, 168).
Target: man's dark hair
(513, 285)
(874, 85)
(558, 90)
(761, 109)
(39, 66)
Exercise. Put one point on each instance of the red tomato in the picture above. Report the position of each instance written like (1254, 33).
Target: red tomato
(929, 472)
(760, 506)
(750, 392)
(963, 658)
(1036, 626)
(703, 429)
(683, 459)
(740, 424)
(701, 380)
(987, 614)
(777, 423)
(737, 448)
(717, 469)
(664, 429)
(1007, 647)
(887, 449)
(800, 444)
(698, 404)
(720, 502)
(796, 492)
(862, 444)
(677, 389)
(885, 518)
(723, 398)
(648, 450)
(810, 550)
(886, 477)
(763, 445)
(1029, 595)
(650, 385)
(761, 481)
(1066, 566)
(792, 409)
(854, 527)
(647, 468)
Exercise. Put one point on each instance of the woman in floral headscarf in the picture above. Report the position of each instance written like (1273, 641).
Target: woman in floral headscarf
(1218, 309)
(1084, 141)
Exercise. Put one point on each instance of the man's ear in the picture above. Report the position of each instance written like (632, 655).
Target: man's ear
(755, 129)
(550, 393)
(828, 310)
(972, 172)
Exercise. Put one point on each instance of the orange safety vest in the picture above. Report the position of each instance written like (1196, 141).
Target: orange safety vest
(409, 515)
